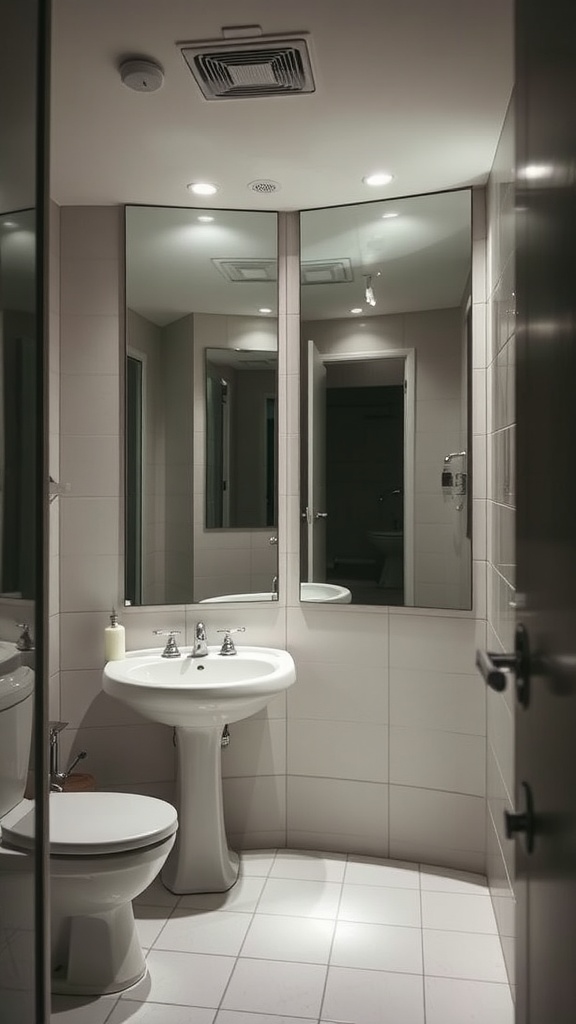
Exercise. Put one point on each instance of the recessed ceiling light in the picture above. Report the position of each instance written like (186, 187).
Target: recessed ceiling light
(9, 224)
(202, 188)
(389, 216)
(379, 178)
(264, 309)
(206, 220)
(357, 309)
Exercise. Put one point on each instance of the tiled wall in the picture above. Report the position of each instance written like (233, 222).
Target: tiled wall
(380, 745)
(501, 551)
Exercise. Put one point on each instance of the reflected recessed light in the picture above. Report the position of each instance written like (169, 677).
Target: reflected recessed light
(264, 309)
(9, 224)
(534, 171)
(389, 216)
(380, 178)
(206, 220)
(202, 188)
(357, 309)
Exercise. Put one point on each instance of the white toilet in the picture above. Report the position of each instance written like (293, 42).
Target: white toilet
(105, 849)
(390, 544)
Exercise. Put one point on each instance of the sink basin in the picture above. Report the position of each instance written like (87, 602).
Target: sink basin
(327, 593)
(189, 691)
(199, 696)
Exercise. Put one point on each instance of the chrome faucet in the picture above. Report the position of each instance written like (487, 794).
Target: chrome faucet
(24, 641)
(171, 648)
(200, 647)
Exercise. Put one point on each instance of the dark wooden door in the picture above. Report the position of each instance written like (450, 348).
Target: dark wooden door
(546, 523)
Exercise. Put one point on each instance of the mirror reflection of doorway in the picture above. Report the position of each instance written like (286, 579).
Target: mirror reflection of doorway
(364, 489)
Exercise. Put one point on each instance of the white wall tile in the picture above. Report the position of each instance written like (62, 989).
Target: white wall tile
(448, 820)
(90, 404)
(438, 700)
(336, 806)
(91, 465)
(430, 759)
(89, 526)
(89, 583)
(90, 344)
(90, 286)
(332, 688)
(257, 747)
(338, 750)
(131, 753)
(432, 644)
(256, 804)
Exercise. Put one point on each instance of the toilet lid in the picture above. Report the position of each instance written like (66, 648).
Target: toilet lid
(87, 824)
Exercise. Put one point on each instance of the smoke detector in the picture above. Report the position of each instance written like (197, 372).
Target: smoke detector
(242, 68)
(142, 75)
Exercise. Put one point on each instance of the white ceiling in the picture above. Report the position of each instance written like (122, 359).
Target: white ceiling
(417, 87)
(418, 259)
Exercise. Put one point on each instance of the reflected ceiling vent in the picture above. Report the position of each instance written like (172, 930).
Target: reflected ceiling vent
(246, 270)
(243, 68)
(264, 186)
(326, 271)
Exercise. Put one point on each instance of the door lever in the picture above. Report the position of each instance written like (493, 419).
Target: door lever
(493, 666)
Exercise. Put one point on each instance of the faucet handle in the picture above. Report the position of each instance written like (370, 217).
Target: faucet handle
(24, 641)
(166, 632)
(228, 643)
(171, 648)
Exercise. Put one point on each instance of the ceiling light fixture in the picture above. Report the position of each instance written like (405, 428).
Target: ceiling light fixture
(264, 309)
(202, 188)
(369, 293)
(206, 220)
(378, 178)
(357, 309)
(532, 172)
(389, 216)
(9, 224)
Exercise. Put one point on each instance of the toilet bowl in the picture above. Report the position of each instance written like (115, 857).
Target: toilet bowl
(390, 544)
(105, 849)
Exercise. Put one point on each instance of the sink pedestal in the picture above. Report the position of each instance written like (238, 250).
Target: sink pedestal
(200, 860)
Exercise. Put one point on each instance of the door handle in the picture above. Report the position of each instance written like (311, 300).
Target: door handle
(320, 515)
(493, 666)
(522, 822)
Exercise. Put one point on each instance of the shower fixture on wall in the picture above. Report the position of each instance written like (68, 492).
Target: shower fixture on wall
(368, 291)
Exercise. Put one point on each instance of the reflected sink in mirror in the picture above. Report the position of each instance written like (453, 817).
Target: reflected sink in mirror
(326, 593)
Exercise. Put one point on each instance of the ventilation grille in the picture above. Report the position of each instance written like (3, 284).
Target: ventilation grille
(264, 186)
(256, 68)
(326, 271)
(254, 270)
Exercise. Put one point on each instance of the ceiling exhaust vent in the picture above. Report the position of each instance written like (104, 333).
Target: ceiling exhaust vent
(247, 270)
(253, 68)
(326, 271)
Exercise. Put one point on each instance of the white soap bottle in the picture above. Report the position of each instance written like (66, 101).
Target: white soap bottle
(114, 639)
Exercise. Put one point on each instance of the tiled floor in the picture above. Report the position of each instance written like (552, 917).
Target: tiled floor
(315, 937)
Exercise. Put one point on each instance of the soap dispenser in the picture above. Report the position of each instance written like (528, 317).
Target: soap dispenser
(114, 639)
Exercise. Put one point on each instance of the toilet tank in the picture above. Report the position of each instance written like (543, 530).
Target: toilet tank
(16, 705)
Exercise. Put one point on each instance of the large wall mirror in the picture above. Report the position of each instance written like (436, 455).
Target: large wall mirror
(385, 374)
(201, 395)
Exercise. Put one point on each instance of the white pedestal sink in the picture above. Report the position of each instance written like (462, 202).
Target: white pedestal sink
(199, 696)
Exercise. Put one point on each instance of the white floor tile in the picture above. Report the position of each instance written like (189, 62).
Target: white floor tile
(239, 1017)
(242, 897)
(256, 862)
(321, 867)
(300, 898)
(217, 932)
(378, 947)
(77, 1010)
(373, 997)
(127, 1012)
(454, 911)
(370, 871)
(272, 937)
(150, 922)
(460, 955)
(262, 986)
(435, 879)
(449, 1001)
(190, 979)
(373, 904)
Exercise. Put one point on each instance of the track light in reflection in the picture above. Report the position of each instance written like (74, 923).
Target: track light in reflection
(369, 293)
